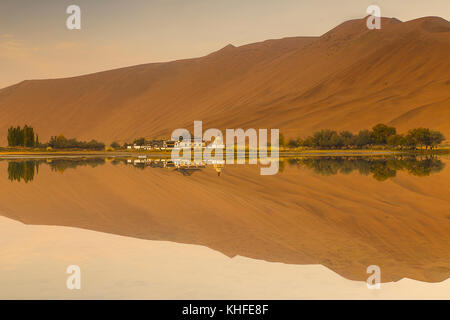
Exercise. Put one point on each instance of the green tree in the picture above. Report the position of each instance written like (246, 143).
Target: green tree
(282, 141)
(396, 140)
(21, 137)
(419, 137)
(348, 138)
(308, 142)
(28, 136)
(327, 139)
(363, 138)
(436, 138)
(139, 141)
(11, 137)
(381, 132)
(115, 145)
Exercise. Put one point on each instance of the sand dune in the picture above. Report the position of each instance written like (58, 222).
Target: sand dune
(344, 222)
(349, 78)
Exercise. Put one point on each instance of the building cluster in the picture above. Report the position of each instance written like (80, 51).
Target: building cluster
(163, 144)
(154, 145)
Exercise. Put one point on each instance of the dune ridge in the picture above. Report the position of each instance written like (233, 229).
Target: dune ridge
(349, 78)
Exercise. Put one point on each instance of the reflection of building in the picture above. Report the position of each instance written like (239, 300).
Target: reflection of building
(218, 164)
(184, 163)
(216, 144)
(219, 168)
(170, 144)
(188, 167)
(154, 145)
(193, 142)
(184, 166)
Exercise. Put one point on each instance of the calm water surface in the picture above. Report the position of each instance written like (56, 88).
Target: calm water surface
(149, 228)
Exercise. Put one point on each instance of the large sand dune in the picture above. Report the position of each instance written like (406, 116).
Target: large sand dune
(349, 78)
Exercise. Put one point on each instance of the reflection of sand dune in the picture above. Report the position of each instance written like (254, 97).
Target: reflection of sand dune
(345, 222)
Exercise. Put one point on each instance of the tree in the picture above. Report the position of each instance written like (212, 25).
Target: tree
(282, 141)
(436, 138)
(115, 145)
(381, 132)
(348, 139)
(336, 140)
(292, 143)
(410, 140)
(21, 137)
(11, 137)
(308, 142)
(419, 136)
(363, 138)
(139, 141)
(327, 139)
(28, 136)
(396, 140)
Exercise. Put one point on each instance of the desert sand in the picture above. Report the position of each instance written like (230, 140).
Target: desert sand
(349, 78)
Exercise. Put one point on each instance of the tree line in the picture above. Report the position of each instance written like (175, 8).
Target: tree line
(27, 170)
(22, 137)
(26, 137)
(61, 142)
(380, 168)
(380, 135)
(22, 170)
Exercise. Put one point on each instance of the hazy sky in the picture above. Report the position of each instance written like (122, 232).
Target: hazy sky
(35, 43)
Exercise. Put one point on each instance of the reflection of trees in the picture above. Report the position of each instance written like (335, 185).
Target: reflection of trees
(26, 170)
(380, 168)
(186, 172)
(62, 165)
(22, 170)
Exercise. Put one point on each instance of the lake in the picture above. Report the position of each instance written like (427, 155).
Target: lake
(149, 229)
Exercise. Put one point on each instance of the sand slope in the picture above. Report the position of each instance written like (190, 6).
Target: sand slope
(349, 78)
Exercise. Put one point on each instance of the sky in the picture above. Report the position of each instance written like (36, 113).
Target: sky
(36, 44)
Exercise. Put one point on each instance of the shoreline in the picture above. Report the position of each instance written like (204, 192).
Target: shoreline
(163, 154)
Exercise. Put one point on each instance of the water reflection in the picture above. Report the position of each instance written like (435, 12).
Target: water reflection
(22, 170)
(312, 213)
(183, 166)
(381, 168)
(26, 170)
(61, 165)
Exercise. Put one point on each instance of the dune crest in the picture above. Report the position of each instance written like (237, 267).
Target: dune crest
(349, 78)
